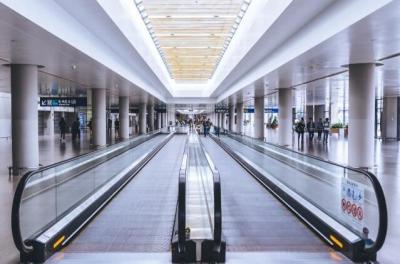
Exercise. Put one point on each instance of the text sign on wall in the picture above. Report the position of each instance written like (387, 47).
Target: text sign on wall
(271, 110)
(248, 110)
(221, 110)
(63, 101)
(352, 203)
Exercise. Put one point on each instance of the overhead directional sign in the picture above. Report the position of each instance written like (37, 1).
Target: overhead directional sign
(221, 110)
(63, 101)
(248, 110)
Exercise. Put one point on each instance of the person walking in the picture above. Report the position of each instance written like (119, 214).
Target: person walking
(320, 128)
(116, 127)
(90, 126)
(63, 128)
(75, 129)
(310, 129)
(326, 130)
(109, 125)
(300, 127)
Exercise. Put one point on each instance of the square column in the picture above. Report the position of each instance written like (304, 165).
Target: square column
(361, 115)
(231, 118)
(239, 113)
(99, 117)
(259, 117)
(285, 114)
(150, 116)
(124, 117)
(159, 121)
(24, 117)
(142, 119)
(171, 115)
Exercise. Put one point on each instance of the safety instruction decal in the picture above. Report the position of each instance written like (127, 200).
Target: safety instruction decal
(352, 202)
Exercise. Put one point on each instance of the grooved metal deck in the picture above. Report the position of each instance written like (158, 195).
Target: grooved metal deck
(140, 217)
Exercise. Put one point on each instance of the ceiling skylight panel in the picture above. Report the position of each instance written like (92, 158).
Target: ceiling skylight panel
(192, 36)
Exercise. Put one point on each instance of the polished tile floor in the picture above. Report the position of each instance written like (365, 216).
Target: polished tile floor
(387, 169)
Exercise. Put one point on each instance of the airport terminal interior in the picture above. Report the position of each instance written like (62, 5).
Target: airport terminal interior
(199, 131)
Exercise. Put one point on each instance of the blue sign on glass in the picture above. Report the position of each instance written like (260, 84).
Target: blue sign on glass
(63, 101)
(271, 110)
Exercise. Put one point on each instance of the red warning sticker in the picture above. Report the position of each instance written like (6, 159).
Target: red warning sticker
(344, 204)
(348, 207)
(354, 210)
(360, 213)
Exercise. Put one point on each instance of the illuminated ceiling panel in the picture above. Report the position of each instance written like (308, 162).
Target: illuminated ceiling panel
(192, 35)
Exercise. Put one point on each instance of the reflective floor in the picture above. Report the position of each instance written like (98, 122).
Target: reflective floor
(387, 169)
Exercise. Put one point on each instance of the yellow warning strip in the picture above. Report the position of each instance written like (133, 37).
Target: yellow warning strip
(336, 241)
(58, 242)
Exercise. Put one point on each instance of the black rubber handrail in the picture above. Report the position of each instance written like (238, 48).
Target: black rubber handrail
(217, 209)
(182, 203)
(217, 198)
(15, 216)
(383, 217)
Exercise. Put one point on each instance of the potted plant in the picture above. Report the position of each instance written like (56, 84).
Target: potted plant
(336, 127)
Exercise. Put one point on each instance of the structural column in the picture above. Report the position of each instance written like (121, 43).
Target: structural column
(50, 123)
(171, 115)
(124, 117)
(142, 119)
(99, 117)
(239, 119)
(159, 122)
(361, 115)
(231, 118)
(285, 116)
(259, 117)
(223, 121)
(150, 116)
(24, 116)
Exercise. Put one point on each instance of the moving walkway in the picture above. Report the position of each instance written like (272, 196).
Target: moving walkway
(52, 204)
(344, 206)
(123, 198)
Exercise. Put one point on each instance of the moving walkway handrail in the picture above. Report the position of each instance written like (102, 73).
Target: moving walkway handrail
(216, 246)
(217, 198)
(182, 202)
(15, 211)
(383, 217)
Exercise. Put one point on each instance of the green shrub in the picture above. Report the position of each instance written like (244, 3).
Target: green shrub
(337, 125)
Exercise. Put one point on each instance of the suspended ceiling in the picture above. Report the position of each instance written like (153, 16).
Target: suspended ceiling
(192, 35)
